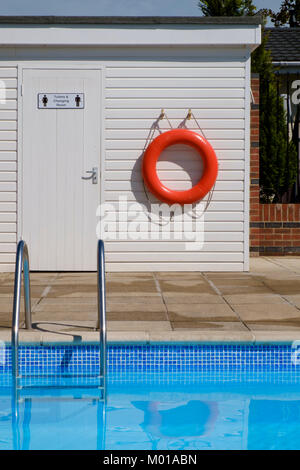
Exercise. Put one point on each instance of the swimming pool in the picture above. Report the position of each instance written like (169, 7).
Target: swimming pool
(166, 396)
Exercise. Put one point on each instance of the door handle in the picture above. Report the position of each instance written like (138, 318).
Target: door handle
(94, 175)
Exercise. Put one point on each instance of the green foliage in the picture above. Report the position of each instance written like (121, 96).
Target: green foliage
(289, 13)
(278, 158)
(278, 155)
(227, 7)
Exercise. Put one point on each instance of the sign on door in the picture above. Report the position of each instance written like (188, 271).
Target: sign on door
(61, 100)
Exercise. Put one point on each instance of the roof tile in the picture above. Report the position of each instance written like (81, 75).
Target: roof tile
(284, 44)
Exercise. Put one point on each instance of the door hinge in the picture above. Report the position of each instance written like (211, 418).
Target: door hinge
(22, 89)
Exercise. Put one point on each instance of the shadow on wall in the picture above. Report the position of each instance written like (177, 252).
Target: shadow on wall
(179, 168)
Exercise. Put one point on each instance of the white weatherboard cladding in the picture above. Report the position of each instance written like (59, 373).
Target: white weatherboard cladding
(215, 84)
(215, 90)
(8, 167)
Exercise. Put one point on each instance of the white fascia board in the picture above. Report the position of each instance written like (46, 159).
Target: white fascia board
(103, 35)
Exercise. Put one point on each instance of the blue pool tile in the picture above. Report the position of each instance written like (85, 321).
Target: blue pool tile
(85, 358)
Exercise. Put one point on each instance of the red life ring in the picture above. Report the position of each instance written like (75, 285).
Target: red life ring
(186, 137)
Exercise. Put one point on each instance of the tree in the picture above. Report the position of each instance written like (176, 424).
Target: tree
(227, 7)
(289, 13)
(278, 155)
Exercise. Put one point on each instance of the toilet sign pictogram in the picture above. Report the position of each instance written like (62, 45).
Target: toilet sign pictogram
(77, 101)
(61, 100)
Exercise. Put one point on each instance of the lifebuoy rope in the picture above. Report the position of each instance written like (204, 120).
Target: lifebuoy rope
(155, 127)
(183, 125)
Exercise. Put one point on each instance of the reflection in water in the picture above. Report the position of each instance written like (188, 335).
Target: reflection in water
(263, 417)
(28, 414)
(190, 420)
(21, 429)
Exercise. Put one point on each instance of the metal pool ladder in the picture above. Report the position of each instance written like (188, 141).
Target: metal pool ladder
(22, 264)
(101, 291)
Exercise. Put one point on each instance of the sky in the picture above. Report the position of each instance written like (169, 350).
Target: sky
(112, 7)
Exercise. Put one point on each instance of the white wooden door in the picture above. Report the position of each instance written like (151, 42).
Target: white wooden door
(58, 215)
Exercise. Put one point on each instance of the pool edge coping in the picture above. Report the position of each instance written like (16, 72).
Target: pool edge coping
(145, 337)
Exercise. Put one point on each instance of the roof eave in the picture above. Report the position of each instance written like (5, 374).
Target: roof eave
(130, 20)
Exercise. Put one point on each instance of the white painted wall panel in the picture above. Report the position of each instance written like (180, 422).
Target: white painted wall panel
(8, 125)
(178, 70)
(134, 97)
(225, 196)
(174, 113)
(5, 238)
(181, 83)
(206, 124)
(213, 103)
(8, 167)
(180, 185)
(135, 90)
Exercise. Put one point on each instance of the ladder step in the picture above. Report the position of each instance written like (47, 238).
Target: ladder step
(62, 398)
(68, 376)
(61, 387)
(61, 393)
(36, 383)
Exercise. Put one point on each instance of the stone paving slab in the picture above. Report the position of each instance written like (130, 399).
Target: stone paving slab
(185, 298)
(195, 286)
(267, 312)
(250, 299)
(292, 299)
(138, 316)
(262, 305)
(274, 326)
(135, 300)
(62, 315)
(201, 312)
(206, 325)
(138, 325)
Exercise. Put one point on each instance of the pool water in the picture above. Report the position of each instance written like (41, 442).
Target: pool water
(165, 406)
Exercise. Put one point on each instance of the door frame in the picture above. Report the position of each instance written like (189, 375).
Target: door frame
(32, 65)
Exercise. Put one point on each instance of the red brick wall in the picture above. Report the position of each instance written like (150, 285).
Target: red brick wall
(254, 170)
(280, 228)
(274, 228)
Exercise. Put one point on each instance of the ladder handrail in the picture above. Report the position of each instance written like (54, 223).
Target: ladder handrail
(22, 264)
(101, 289)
